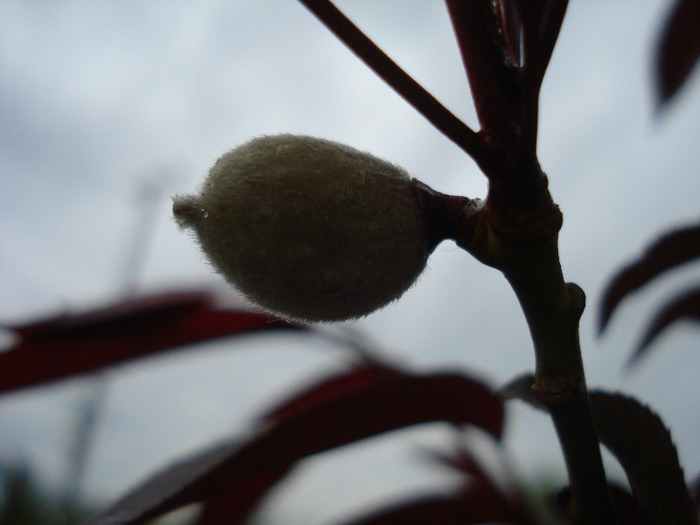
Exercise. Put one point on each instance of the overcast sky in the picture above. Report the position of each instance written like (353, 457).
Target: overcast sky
(98, 99)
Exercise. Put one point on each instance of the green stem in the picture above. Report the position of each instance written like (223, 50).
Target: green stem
(553, 309)
(524, 247)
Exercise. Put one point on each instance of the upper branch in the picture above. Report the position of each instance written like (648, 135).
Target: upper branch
(427, 105)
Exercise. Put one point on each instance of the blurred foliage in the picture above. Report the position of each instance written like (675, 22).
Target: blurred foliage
(24, 501)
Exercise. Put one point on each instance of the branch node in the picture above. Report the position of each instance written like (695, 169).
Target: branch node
(552, 389)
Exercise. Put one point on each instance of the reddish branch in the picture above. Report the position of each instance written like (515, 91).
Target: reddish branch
(427, 105)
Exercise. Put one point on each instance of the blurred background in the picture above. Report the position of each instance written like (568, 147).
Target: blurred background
(108, 108)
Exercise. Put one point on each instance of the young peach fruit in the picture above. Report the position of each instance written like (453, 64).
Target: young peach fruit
(308, 228)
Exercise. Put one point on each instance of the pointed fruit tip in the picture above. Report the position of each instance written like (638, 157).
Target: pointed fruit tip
(188, 211)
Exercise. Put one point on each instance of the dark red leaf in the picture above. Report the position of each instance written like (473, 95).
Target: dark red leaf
(462, 460)
(678, 50)
(491, 72)
(390, 402)
(71, 344)
(479, 487)
(234, 504)
(642, 444)
(477, 501)
(443, 510)
(199, 478)
(357, 378)
(385, 402)
(666, 253)
(380, 401)
(683, 307)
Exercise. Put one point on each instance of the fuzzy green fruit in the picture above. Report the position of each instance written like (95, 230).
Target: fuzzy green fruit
(308, 228)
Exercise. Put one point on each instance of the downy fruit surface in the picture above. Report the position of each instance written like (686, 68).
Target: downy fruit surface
(308, 228)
